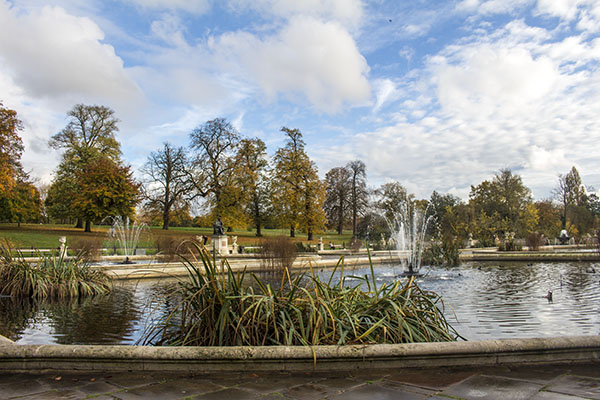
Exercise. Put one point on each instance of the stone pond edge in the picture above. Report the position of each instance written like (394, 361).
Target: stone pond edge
(485, 353)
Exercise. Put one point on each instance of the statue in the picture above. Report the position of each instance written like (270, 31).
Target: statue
(218, 228)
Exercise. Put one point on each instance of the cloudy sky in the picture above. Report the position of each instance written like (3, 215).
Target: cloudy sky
(438, 95)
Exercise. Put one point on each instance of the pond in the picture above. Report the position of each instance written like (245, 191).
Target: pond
(482, 301)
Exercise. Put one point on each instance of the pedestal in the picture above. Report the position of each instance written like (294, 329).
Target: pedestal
(220, 244)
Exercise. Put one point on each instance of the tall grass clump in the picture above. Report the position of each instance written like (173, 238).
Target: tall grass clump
(52, 276)
(217, 308)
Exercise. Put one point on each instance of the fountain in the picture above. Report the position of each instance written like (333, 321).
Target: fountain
(408, 233)
(126, 235)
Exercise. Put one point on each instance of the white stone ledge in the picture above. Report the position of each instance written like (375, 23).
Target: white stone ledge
(573, 349)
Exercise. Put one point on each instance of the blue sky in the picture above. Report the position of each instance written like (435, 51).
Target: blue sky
(438, 95)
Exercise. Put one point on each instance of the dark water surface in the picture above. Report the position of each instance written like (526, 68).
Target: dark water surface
(483, 301)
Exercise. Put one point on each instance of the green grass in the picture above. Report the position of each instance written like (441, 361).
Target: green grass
(217, 308)
(45, 236)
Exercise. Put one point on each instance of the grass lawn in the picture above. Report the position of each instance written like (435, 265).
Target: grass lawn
(45, 236)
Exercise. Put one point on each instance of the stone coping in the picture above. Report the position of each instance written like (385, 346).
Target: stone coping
(570, 349)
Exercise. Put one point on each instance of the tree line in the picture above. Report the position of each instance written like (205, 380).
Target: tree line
(235, 179)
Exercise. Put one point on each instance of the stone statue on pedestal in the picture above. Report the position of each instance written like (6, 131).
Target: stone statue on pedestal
(218, 228)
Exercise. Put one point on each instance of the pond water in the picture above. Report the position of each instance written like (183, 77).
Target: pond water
(482, 301)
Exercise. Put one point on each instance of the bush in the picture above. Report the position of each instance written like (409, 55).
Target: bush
(278, 253)
(87, 247)
(52, 276)
(534, 241)
(216, 308)
(304, 248)
(444, 252)
(167, 247)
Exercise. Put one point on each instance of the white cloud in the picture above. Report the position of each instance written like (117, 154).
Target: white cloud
(514, 97)
(385, 90)
(317, 60)
(57, 54)
(347, 12)
(191, 6)
(489, 7)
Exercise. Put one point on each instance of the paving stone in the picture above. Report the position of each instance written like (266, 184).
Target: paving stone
(576, 385)
(378, 392)
(436, 379)
(21, 387)
(56, 394)
(531, 373)
(590, 370)
(407, 388)
(307, 391)
(493, 388)
(554, 396)
(269, 384)
(132, 380)
(229, 394)
(174, 389)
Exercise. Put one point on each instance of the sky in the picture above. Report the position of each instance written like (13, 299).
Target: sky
(438, 95)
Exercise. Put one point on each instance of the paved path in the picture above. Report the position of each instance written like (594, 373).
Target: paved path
(503, 383)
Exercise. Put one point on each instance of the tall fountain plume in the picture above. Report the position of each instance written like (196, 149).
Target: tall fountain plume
(408, 231)
(126, 234)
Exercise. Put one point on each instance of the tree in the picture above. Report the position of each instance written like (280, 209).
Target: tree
(105, 189)
(168, 182)
(215, 145)
(298, 192)
(391, 197)
(252, 176)
(19, 199)
(89, 136)
(359, 196)
(502, 205)
(569, 193)
(337, 202)
(11, 149)
(91, 130)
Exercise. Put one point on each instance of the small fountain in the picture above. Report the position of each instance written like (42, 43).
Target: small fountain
(126, 235)
(408, 233)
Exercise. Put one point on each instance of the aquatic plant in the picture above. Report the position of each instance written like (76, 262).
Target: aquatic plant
(216, 308)
(53, 275)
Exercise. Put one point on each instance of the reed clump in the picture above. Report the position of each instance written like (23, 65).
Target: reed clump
(216, 308)
(52, 276)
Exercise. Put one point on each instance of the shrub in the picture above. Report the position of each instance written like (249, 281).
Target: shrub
(216, 308)
(52, 276)
(88, 247)
(166, 247)
(278, 253)
(534, 241)
(304, 248)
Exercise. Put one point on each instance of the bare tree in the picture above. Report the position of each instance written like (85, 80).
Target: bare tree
(359, 197)
(337, 203)
(214, 145)
(168, 183)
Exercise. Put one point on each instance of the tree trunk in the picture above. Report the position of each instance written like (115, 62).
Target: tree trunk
(79, 223)
(310, 234)
(165, 220)
(292, 231)
(258, 229)
(88, 225)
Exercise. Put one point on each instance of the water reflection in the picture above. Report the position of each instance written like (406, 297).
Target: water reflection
(483, 301)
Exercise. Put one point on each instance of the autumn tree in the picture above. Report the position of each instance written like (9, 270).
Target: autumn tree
(19, 199)
(251, 171)
(11, 149)
(299, 194)
(214, 145)
(167, 185)
(337, 202)
(88, 136)
(106, 188)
